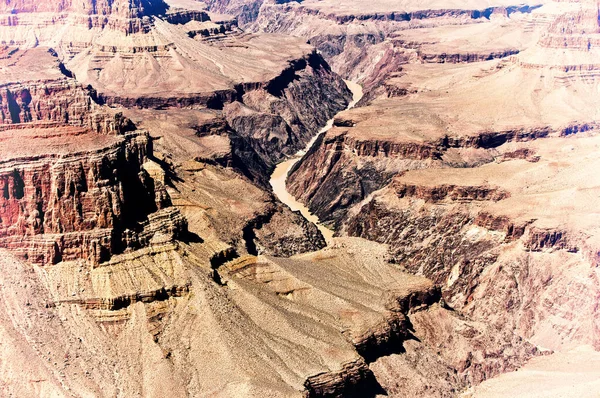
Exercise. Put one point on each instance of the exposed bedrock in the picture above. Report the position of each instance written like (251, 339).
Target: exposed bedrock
(275, 91)
(466, 57)
(245, 10)
(148, 257)
(241, 213)
(460, 233)
(477, 266)
(57, 102)
(213, 100)
(211, 174)
(250, 10)
(460, 211)
(574, 30)
(281, 232)
(368, 47)
(361, 54)
(281, 117)
(264, 128)
(123, 15)
(447, 354)
(265, 121)
(354, 380)
(73, 177)
(316, 180)
(402, 325)
(299, 345)
(496, 236)
(123, 8)
(343, 169)
(88, 204)
(36, 91)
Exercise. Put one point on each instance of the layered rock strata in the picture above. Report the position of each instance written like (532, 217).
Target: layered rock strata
(72, 174)
(485, 246)
(377, 339)
(369, 46)
(122, 15)
(133, 251)
(481, 192)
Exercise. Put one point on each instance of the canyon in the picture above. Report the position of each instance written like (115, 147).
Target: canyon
(269, 198)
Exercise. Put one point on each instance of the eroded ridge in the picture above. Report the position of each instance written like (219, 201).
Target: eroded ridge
(72, 173)
(142, 252)
(461, 161)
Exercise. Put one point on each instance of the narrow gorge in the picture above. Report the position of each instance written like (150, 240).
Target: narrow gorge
(283, 169)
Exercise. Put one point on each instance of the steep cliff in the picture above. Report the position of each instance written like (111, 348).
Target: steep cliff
(122, 15)
(430, 122)
(143, 254)
(500, 248)
(274, 90)
(79, 195)
(281, 118)
(476, 172)
(73, 179)
(368, 45)
(92, 220)
(386, 327)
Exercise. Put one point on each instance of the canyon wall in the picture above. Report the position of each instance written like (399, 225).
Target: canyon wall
(465, 183)
(142, 252)
(122, 15)
(86, 205)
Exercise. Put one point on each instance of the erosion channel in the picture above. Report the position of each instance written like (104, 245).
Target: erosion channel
(280, 174)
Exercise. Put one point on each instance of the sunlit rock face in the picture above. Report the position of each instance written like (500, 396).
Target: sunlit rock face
(143, 252)
(462, 156)
(123, 15)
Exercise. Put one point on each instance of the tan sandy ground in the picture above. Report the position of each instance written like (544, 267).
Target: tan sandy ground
(574, 373)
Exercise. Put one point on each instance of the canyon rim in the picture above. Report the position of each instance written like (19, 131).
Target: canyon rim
(312, 198)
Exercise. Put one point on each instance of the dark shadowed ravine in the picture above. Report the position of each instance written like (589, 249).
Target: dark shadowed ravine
(280, 174)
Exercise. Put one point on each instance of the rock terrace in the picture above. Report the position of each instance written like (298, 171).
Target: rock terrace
(143, 252)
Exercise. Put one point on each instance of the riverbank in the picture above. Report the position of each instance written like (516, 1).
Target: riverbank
(280, 174)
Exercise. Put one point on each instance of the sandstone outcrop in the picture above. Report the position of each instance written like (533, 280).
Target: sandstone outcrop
(369, 46)
(310, 349)
(123, 15)
(143, 253)
(495, 243)
(389, 322)
(96, 218)
(72, 177)
(392, 135)
(401, 171)
(164, 63)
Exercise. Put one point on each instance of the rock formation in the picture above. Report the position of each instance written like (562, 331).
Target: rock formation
(402, 170)
(73, 182)
(143, 253)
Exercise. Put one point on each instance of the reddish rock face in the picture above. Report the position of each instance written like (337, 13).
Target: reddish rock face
(132, 252)
(72, 185)
(81, 204)
(58, 102)
(122, 15)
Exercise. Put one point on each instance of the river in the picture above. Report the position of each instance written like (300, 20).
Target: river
(282, 170)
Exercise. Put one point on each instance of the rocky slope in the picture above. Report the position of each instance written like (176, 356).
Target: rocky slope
(130, 256)
(143, 254)
(368, 45)
(123, 15)
(77, 189)
(473, 172)
(273, 90)
(421, 128)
